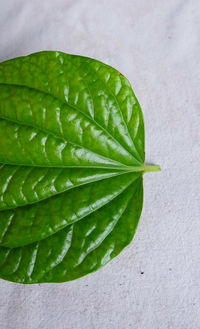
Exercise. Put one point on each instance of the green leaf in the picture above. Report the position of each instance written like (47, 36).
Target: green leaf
(71, 166)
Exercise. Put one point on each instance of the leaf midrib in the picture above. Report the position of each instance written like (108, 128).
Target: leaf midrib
(80, 218)
(67, 189)
(122, 166)
(77, 110)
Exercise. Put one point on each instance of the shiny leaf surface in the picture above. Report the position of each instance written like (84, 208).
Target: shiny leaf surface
(71, 166)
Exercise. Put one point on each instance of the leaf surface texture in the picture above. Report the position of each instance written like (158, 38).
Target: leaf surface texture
(71, 166)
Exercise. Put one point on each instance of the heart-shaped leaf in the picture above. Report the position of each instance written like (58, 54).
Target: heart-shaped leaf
(71, 166)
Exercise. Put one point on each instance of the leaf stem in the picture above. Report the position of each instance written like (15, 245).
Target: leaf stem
(144, 168)
(149, 168)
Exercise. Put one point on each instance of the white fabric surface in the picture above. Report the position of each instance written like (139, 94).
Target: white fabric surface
(156, 45)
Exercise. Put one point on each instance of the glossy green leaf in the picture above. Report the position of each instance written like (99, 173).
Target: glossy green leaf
(71, 166)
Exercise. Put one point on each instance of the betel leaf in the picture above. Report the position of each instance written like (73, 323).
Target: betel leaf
(71, 166)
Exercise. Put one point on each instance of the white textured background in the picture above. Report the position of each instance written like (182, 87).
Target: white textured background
(156, 44)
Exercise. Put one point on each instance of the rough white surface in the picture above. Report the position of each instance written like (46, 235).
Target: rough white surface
(156, 45)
